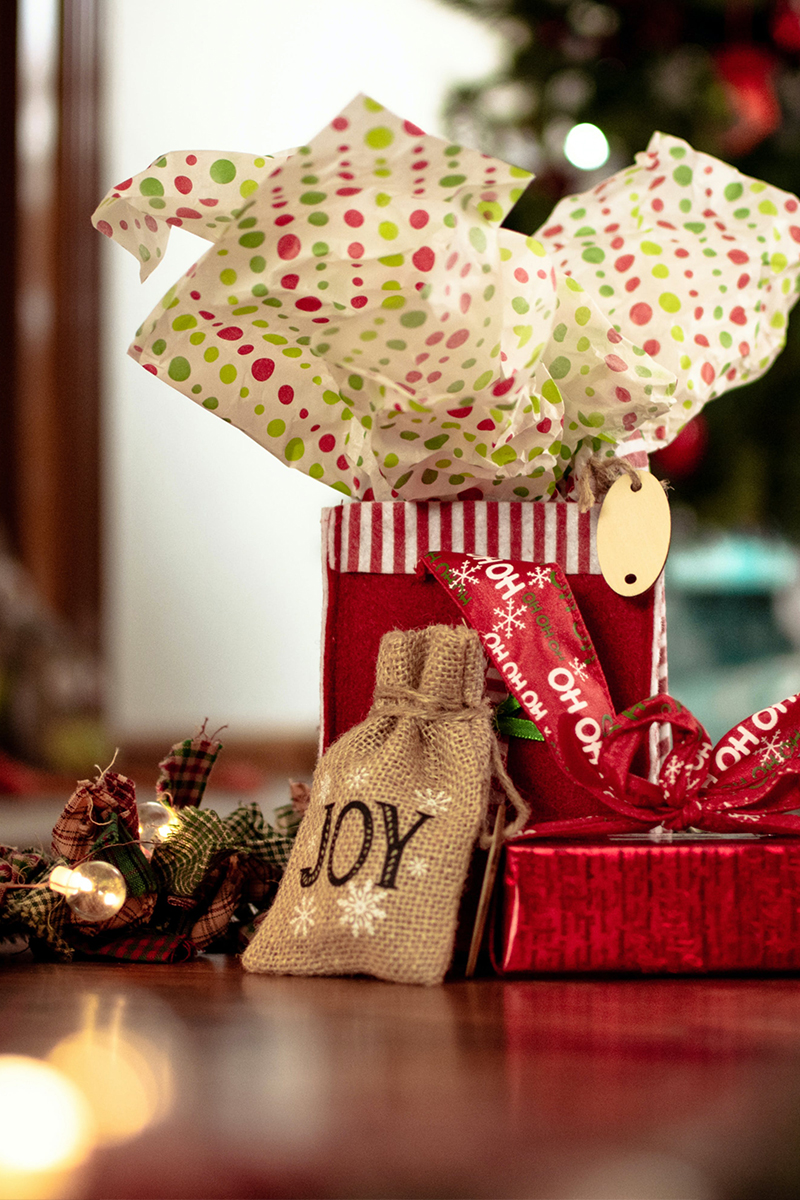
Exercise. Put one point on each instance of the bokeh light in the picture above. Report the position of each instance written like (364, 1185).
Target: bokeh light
(586, 146)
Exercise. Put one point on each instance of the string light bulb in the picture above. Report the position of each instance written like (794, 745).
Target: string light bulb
(157, 823)
(94, 890)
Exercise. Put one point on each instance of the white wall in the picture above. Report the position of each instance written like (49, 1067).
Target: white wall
(213, 574)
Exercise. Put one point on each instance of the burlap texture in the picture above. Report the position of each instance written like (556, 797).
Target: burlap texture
(375, 876)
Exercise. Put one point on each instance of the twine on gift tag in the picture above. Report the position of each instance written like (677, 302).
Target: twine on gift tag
(597, 477)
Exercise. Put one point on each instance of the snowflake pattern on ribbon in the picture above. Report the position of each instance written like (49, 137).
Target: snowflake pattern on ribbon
(361, 908)
(303, 917)
(538, 577)
(509, 618)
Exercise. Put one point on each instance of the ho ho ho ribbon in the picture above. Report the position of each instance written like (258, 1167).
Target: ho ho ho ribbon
(532, 630)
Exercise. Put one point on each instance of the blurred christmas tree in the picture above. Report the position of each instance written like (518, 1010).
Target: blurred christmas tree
(724, 75)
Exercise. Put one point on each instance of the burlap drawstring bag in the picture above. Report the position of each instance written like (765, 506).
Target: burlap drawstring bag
(376, 874)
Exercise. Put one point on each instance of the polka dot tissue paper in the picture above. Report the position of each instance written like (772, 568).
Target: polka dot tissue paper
(362, 314)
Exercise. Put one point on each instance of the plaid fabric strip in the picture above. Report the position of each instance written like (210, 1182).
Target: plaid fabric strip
(217, 916)
(185, 770)
(38, 913)
(127, 857)
(149, 945)
(88, 814)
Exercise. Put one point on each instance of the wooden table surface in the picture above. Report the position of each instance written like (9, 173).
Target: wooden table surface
(613, 1088)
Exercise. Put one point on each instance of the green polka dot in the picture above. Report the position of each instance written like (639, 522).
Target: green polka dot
(669, 302)
(660, 271)
(478, 238)
(682, 175)
(258, 289)
(251, 241)
(560, 332)
(768, 208)
(247, 188)
(733, 191)
(319, 249)
(686, 362)
(222, 171)
(211, 354)
(211, 402)
(593, 254)
(228, 277)
(382, 199)
(456, 386)
(677, 333)
(488, 292)
(259, 408)
(429, 476)
(379, 137)
(583, 344)
(778, 320)
(482, 380)
(582, 315)
(560, 367)
(294, 450)
(778, 262)
(316, 470)
(694, 226)
(550, 392)
(187, 321)
(520, 305)
(396, 344)
(490, 210)
(412, 320)
(318, 218)
(535, 247)
(151, 187)
(455, 480)
(276, 428)
(651, 248)
(390, 461)
(725, 339)
(196, 389)
(742, 214)
(436, 443)
(503, 455)
(144, 253)
(179, 369)
(393, 302)
(197, 338)
(313, 197)
(451, 181)
(388, 230)
(606, 290)
(159, 346)
(257, 264)
(227, 373)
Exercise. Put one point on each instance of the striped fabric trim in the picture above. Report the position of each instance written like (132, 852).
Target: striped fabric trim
(389, 538)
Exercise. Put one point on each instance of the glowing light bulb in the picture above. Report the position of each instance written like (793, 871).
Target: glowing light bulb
(157, 823)
(95, 890)
(45, 1128)
(586, 146)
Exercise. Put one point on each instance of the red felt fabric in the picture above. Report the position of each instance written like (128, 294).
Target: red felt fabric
(685, 907)
(362, 607)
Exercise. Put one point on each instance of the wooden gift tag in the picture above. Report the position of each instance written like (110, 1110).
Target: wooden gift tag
(633, 532)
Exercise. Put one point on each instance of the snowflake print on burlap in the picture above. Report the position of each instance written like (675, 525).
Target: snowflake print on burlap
(417, 867)
(466, 573)
(358, 777)
(303, 917)
(361, 908)
(509, 618)
(578, 668)
(324, 787)
(538, 577)
(431, 801)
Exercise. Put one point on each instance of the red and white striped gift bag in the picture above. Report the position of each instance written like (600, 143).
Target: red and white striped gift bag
(370, 555)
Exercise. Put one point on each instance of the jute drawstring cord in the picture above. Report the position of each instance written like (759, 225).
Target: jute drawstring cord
(401, 701)
(597, 477)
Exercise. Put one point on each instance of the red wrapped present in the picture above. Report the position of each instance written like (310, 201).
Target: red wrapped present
(371, 551)
(685, 907)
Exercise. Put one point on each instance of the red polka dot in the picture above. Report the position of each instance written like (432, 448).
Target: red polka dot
(681, 253)
(355, 250)
(487, 425)
(105, 228)
(434, 375)
(738, 256)
(413, 376)
(708, 373)
(791, 206)
(210, 202)
(419, 166)
(303, 413)
(624, 262)
(744, 349)
(290, 282)
(122, 187)
(286, 394)
(353, 218)
(188, 214)
(617, 244)
(191, 159)
(459, 412)
(195, 295)
(308, 304)
(632, 284)
(503, 386)
(641, 313)
(341, 462)
(124, 224)
(151, 223)
(743, 281)
(545, 425)
(289, 246)
(418, 219)
(262, 368)
(738, 315)
(358, 301)
(284, 219)
(701, 340)
(340, 123)
(629, 421)
(615, 363)
(424, 258)
(457, 339)
(434, 338)
(452, 260)
(149, 367)
(183, 184)
(208, 316)
(327, 442)
(731, 374)
(357, 281)
(521, 274)
(348, 191)
(245, 349)
(794, 230)
(231, 333)
(414, 130)
(657, 204)
(464, 302)
(613, 336)
(553, 230)
(621, 393)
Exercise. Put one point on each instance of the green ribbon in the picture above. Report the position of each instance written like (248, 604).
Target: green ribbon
(506, 722)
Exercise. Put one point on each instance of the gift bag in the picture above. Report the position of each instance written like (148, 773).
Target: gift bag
(375, 879)
(370, 557)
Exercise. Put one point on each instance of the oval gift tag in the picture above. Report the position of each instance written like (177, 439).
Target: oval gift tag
(633, 532)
